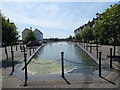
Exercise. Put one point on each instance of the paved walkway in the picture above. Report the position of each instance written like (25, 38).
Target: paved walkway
(56, 81)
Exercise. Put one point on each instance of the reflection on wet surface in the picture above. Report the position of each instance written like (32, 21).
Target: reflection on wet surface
(48, 60)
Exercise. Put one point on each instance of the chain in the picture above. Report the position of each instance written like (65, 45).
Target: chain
(46, 63)
(104, 58)
(72, 61)
(104, 55)
(56, 61)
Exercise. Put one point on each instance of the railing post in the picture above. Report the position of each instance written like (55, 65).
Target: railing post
(87, 46)
(25, 60)
(20, 46)
(11, 47)
(12, 53)
(110, 57)
(24, 49)
(100, 63)
(90, 48)
(16, 48)
(62, 54)
(6, 52)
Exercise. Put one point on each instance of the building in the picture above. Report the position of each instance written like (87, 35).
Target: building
(38, 34)
(89, 24)
(24, 33)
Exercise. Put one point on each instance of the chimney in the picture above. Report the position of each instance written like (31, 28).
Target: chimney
(30, 28)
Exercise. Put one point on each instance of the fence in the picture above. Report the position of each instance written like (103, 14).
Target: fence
(62, 61)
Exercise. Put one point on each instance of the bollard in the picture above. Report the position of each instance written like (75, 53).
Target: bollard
(24, 49)
(62, 54)
(16, 48)
(6, 52)
(11, 48)
(114, 51)
(90, 48)
(12, 53)
(25, 60)
(86, 46)
(110, 57)
(100, 63)
(30, 50)
(20, 46)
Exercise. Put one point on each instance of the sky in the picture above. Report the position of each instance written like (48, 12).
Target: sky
(54, 19)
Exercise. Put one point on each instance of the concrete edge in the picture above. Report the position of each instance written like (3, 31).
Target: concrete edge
(96, 60)
(19, 71)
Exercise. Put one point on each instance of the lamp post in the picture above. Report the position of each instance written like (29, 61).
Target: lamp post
(97, 15)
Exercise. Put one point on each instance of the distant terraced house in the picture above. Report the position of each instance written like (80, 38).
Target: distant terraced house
(89, 24)
(38, 34)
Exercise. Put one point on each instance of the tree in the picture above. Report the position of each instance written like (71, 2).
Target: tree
(9, 31)
(70, 37)
(78, 36)
(87, 34)
(56, 39)
(108, 25)
(30, 36)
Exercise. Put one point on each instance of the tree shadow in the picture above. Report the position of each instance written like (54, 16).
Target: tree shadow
(66, 80)
(108, 80)
(7, 63)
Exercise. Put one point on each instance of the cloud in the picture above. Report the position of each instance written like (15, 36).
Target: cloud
(52, 17)
(42, 15)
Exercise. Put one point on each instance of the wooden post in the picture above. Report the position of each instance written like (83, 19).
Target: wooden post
(62, 54)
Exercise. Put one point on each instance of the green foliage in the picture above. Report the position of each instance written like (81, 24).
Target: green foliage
(87, 34)
(9, 31)
(30, 36)
(108, 25)
(70, 38)
(56, 39)
(78, 36)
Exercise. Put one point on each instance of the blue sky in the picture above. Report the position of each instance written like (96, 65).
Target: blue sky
(54, 19)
